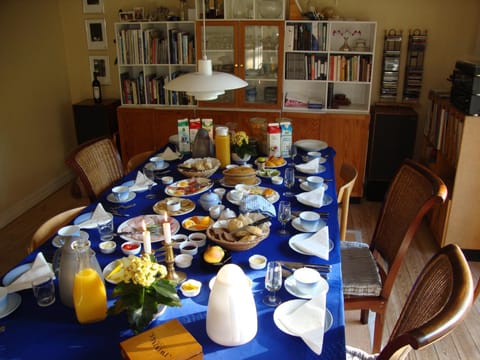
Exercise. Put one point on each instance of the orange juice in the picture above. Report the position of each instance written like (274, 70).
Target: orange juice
(222, 146)
(89, 296)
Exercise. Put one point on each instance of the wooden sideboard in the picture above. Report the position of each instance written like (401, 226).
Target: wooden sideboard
(143, 129)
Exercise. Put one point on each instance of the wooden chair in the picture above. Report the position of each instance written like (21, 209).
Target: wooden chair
(438, 302)
(138, 159)
(348, 174)
(51, 226)
(369, 271)
(97, 164)
(477, 290)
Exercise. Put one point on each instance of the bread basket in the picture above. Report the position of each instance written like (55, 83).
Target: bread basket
(199, 167)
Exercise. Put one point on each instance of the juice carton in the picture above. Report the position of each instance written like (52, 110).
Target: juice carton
(274, 139)
(195, 124)
(207, 124)
(183, 136)
(286, 138)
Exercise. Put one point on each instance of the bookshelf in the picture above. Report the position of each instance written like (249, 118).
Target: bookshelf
(328, 65)
(450, 148)
(150, 54)
(242, 10)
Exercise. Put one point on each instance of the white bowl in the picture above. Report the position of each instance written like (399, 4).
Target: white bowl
(178, 239)
(257, 261)
(167, 180)
(189, 247)
(107, 247)
(191, 288)
(200, 239)
(131, 248)
(277, 180)
(183, 260)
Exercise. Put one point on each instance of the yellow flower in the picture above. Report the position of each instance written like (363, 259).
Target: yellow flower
(142, 271)
(240, 138)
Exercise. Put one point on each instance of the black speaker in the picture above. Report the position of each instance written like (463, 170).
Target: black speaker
(391, 140)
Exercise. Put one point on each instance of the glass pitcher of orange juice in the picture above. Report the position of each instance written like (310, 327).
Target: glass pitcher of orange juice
(89, 293)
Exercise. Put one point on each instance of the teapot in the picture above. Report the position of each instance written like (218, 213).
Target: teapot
(209, 199)
(231, 313)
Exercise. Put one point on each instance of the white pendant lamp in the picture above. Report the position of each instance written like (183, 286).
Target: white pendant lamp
(205, 84)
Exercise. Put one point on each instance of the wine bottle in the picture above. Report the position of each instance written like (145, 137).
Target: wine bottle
(97, 90)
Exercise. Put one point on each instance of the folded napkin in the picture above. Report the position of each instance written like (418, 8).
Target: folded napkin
(99, 214)
(169, 155)
(317, 244)
(309, 167)
(312, 198)
(307, 321)
(142, 182)
(39, 268)
(257, 203)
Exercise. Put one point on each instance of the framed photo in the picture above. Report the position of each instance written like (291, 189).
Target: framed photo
(96, 34)
(126, 16)
(139, 13)
(92, 6)
(101, 66)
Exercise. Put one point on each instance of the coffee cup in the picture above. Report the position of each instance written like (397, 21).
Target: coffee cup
(236, 195)
(215, 211)
(314, 182)
(306, 279)
(309, 220)
(220, 192)
(313, 155)
(157, 161)
(173, 205)
(120, 193)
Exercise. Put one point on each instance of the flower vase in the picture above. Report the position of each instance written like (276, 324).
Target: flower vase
(240, 160)
(345, 46)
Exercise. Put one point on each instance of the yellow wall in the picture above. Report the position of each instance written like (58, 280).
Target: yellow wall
(45, 68)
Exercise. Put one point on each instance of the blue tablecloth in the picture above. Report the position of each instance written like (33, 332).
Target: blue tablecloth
(54, 333)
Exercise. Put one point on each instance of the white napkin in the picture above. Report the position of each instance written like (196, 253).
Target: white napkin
(99, 214)
(39, 268)
(142, 182)
(312, 198)
(317, 244)
(309, 167)
(168, 154)
(308, 321)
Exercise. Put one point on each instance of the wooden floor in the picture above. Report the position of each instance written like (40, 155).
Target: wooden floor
(463, 343)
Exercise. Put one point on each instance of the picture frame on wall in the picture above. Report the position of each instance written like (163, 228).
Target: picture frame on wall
(126, 16)
(101, 65)
(96, 34)
(92, 6)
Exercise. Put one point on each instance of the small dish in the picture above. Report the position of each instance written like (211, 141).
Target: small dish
(188, 247)
(178, 239)
(130, 197)
(277, 180)
(107, 247)
(167, 180)
(183, 260)
(257, 262)
(191, 288)
(198, 238)
(131, 248)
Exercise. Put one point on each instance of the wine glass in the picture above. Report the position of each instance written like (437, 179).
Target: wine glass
(284, 214)
(273, 283)
(293, 152)
(289, 180)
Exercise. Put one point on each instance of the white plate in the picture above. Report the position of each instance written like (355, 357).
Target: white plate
(13, 274)
(13, 302)
(258, 181)
(135, 224)
(58, 242)
(291, 243)
(268, 173)
(311, 145)
(272, 198)
(321, 169)
(107, 269)
(291, 287)
(327, 200)
(277, 166)
(130, 197)
(297, 224)
(151, 166)
(180, 187)
(304, 186)
(321, 160)
(289, 306)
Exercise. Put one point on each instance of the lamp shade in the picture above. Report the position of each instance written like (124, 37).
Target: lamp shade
(205, 84)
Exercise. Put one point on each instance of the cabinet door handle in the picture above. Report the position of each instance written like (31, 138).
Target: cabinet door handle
(241, 65)
(236, 65)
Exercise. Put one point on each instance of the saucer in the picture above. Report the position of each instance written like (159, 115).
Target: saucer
(13, 274)
(327, 200)
(321, 160)
(58, 242)
(305, 187)
(151, 166)
(289, 306)
(131, 196)
(13, 302)
(291, 243)
(320, 169)
(297, 224)
(291, 287)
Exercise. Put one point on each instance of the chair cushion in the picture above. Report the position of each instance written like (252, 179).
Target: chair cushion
(359, 270)
(358, 354)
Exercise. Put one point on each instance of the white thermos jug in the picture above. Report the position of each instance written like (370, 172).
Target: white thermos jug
(231, 312)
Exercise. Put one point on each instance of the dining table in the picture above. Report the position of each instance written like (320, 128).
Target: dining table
(53, 332)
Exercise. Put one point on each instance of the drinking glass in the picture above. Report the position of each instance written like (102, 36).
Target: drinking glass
(284, 215)
(289, 180)
(273, 283)
(293, 153)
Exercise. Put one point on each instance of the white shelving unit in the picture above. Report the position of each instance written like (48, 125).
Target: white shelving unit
(242, 10)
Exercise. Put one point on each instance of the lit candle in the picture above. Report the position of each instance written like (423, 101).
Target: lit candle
(147, 243)
(167, 233)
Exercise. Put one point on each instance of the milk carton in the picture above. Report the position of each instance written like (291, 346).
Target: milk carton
(286, 138)
(274, 139)
(207, 124)
(183, 136)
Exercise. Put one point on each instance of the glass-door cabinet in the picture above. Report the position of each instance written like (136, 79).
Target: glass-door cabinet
(251, 50)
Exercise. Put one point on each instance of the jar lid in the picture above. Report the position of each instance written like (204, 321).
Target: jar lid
(221, 130)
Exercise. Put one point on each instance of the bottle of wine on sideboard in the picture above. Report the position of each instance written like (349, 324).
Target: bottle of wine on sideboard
(97, 90)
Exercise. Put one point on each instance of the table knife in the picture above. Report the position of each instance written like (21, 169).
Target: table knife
(293, 265)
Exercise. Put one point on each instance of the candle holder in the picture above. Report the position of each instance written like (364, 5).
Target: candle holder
(173, 275)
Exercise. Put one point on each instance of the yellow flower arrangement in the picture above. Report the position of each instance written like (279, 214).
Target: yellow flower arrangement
(241, 144)
(141, 288)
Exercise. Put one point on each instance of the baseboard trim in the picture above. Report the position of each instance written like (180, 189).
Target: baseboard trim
(19, 208)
